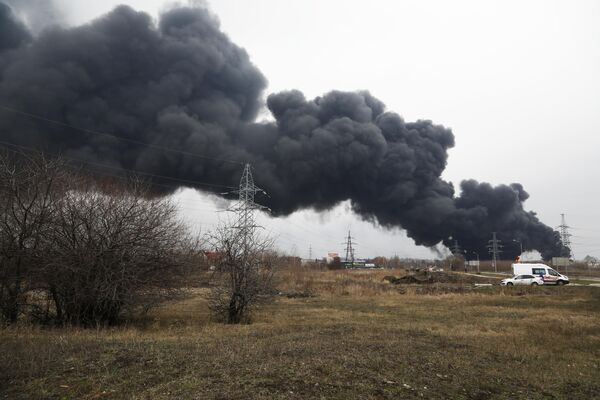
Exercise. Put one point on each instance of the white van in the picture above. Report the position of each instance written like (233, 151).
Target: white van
(549, 275)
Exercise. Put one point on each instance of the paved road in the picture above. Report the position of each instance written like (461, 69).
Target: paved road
(502, 275)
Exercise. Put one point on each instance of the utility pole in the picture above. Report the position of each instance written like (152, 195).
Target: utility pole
(245, 206)
(495, 247)
(349, 249)
(565, 236)
(456, 249)
(310, 252)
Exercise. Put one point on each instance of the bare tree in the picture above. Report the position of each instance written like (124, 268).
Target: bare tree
(113, 249)
(29, 186)
(82, 250)
(243, 277)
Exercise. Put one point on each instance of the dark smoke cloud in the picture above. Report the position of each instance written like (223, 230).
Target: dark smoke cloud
(13, 32)
(183, 84)
(37, 14)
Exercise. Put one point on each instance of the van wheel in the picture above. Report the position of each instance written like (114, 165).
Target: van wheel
(509, 284)
(534, 284)
(560, 283)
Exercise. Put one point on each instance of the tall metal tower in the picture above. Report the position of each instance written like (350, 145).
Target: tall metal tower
(495, 247)
(349, 249)
(456, 250)
(565, 236)
(245, 206)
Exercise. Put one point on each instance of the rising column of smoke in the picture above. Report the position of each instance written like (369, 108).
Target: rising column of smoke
(183, 84)
(345, 146)
(37, 14)
(13, 32)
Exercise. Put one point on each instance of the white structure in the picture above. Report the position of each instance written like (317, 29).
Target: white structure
(549, 275)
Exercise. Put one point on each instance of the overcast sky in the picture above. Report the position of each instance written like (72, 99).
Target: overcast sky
(516, 81)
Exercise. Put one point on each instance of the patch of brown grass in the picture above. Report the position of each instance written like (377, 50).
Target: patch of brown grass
(337, 282)
(358, 338)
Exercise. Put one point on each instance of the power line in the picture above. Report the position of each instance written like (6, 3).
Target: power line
(584, 229)
(94, 132)
(290, 237)
(8, 146)
(95, 171)
(325, 236)
(321, 234)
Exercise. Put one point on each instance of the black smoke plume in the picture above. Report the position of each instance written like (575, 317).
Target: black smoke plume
(182, 84)
(13, 32)
(37, 14)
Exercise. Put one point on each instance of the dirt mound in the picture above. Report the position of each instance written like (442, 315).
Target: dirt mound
(420, 279)
(416, 278)
(296, 294)
(426, 277)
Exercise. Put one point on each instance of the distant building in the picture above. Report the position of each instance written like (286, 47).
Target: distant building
(358, 264)
(560, 261)
(330, 257)
(353, 265)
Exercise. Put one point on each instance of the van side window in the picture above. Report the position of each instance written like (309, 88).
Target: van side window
(553, 272)
(538, 271)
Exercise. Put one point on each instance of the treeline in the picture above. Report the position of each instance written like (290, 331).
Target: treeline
(82, 251)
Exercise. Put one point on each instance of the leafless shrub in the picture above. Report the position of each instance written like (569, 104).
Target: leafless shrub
(84, 251)
(111, 250)
(243, 277)
(29, 187)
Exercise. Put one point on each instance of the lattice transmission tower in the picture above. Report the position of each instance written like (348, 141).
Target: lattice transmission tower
(456, 250)
(245, 207)
(565, 236)
(495, 248)
(349, 248)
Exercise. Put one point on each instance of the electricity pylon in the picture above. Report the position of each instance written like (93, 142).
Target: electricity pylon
(565, 236)
(245, 206)
(456, 250)
(349, 249)
(495, 247)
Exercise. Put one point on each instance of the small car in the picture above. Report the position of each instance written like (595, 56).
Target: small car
(522, 280)
(548, 275)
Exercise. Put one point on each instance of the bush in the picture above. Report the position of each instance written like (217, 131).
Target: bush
(73, 250)
(113, 250)
(29, 188)
(243, 277)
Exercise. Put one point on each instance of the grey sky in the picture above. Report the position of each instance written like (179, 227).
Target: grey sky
(516, 81)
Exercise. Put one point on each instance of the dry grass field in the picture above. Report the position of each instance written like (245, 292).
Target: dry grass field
(331, 335)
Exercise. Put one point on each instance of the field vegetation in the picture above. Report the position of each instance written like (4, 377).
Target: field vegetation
(328, 334)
